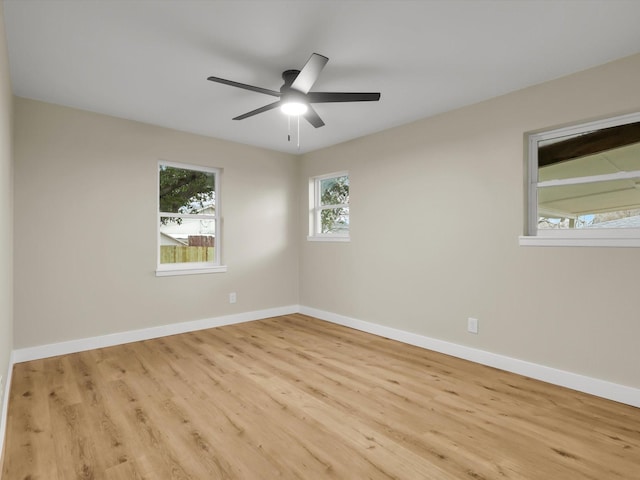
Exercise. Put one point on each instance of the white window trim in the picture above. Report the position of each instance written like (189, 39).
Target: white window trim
(329, 238)
(194, 268)
(577, 237)
(599, 237)
(591, 179)
(315, 209)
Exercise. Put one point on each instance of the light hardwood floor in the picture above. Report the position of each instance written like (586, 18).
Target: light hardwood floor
(294, 397)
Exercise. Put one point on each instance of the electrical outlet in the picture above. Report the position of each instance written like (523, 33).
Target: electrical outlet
(472, 325)
(233, 298)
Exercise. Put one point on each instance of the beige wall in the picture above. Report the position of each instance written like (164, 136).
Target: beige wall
(437, 207)
(85, 226)
(6, 211)
(436, 211)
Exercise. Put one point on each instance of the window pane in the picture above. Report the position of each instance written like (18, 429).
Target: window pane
(622, 159)
(334, 220)
(590, 152)
(612, 204)
(184, 240)
(588, 178)
(334, 191)
(186, 191)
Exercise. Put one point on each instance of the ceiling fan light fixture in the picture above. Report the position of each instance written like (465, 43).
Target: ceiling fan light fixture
(295, 97)
(294, 108)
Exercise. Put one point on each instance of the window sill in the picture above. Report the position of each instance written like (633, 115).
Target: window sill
(318, 238)
(578, 241)
(169, 272)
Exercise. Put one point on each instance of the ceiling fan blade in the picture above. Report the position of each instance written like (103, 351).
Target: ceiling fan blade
(245, 86)
(326, 97)
(266, 108)
(313, 118)
(309, 73)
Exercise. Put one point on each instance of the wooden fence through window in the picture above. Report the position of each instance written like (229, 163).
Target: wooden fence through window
(185, 254)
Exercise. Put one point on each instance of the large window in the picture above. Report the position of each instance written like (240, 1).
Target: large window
(188, 219)
(584, 184)
(329, 207)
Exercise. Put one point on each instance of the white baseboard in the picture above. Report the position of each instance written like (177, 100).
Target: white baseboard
(581, 383)
(574, 381)
(600, 388)
(83, 344)
(5, 408)
(80, 345)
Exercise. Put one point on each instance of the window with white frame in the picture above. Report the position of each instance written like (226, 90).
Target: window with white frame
(584, 184)
(329, 207)
(188, 219)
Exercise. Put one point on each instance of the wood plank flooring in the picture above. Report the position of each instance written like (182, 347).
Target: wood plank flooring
(293, 397)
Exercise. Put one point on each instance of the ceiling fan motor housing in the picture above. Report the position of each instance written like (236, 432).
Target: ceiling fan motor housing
(288, 76)
(296, 90)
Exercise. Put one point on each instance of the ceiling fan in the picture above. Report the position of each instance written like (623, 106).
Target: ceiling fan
(294, 95)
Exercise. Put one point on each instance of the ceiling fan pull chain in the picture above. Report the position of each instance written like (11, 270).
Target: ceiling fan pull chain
(288, 128)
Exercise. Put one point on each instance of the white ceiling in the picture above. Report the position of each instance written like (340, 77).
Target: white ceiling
(149, 60)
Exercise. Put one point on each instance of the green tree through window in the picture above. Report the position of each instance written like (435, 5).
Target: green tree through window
(334, 198)
(188, 221)
(184, 191)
